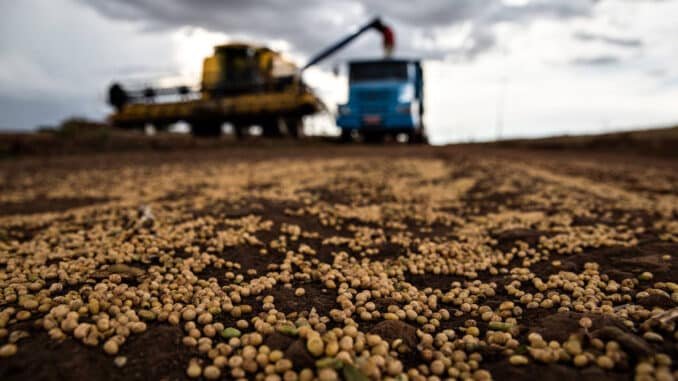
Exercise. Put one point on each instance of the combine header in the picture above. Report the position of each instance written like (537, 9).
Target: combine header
(242, 84)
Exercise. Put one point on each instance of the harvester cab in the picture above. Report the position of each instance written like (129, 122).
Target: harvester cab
(236, 69)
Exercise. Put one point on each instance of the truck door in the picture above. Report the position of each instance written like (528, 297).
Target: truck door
(419, 86)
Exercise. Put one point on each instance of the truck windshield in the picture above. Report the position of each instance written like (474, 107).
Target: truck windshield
(370, 71)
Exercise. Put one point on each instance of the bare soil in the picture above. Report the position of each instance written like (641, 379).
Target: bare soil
(629, 203)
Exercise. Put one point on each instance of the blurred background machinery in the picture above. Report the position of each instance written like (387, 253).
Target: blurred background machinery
(241, 84)
(246, 85)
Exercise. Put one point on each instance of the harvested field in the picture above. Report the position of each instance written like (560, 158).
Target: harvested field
(339, 263)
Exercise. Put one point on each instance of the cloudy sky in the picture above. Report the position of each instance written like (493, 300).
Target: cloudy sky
(493, 67)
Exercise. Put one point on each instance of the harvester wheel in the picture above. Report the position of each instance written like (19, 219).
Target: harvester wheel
(239, 131)
(161, 127)
(271, 129)
(206, 129)
(295, 127)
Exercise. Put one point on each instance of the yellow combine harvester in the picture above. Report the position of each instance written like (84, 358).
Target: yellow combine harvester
(242, 84)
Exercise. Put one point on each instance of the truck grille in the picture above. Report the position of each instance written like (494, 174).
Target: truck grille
(369, 96)
(374, 101)
(374, 108)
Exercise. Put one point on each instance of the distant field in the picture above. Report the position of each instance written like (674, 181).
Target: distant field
(659, 142)
(94, 137)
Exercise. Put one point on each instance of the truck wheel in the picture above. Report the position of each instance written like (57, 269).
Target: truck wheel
(206, 129)
(373, 137)
(417, 137)
(346, 136)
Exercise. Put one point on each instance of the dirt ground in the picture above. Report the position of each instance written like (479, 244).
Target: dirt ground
(356, 262)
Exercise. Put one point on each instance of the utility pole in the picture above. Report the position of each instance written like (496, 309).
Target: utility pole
(501, 104)
(501, 98)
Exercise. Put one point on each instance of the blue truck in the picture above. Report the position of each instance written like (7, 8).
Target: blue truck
(386, 97)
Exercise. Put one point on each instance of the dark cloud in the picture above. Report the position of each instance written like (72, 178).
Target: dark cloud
(310, 25)
(611, 40)
(601, 60)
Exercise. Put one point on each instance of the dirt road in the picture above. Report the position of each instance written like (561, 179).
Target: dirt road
(339, 262)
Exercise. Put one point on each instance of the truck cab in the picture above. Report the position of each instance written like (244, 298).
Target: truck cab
(386, 97)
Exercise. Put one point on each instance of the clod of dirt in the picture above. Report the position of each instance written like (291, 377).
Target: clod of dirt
(299, 355)
(548, 372)
(665, 320)
(395, 329)
(146, 217)
(656, 300)
(528, 236)
(44, 204)
(278, 341)
(618, 275)
(628, 341)
(651, 262)
(559, 326)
